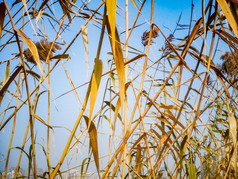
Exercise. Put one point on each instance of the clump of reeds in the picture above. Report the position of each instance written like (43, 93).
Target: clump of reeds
(146, 35)
(230, 64)
(43, 48)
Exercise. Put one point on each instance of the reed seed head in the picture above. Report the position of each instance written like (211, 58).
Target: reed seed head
(230, 64)
(43, 48)
(146, 35)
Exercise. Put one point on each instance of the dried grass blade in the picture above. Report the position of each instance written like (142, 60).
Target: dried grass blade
(135, 5)
(227, 35)
(192, 171)
(137, 142)
(65, 8)
(129, 61)
(170, 107)
(185, 50)
(138, 162)
(93, 140)
(34, 52)
(62, 56)
(4, 88)
(227, 41)
(66, 149)
(85, 43)
(111, 11)
(191, 37)
(164, 138)
(38, 18)
(119, 62)
(232, 130)
(6, 73)
(32, 48)
(117, 109)
(227, 12)
(96, 78)
(41, 120)
(112, 107)
(70, 81)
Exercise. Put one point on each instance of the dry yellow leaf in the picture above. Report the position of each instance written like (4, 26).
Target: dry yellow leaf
(32, 48)
(93, 140)
(111, 11)
(119, 62)
(229, 16)
(96, 78)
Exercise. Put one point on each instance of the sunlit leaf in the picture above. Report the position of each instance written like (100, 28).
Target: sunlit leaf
(34, 74)
(192, 171)
(96, 78)
(227, 35)
(32, 48)
(113, 108)
(119, 62)
(82, 167)
(117, 109)
(183, 144)
(111, 11)
(233, 126)
(93, 140)
(7, 73)
(116, 46)
(9, 81)
(191, 37)
(41, 120)
(227, 12)
(233, 132)
(170, 107)
(61, 56)
(113, 80)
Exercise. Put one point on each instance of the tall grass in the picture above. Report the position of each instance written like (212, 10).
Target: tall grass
(139, 101)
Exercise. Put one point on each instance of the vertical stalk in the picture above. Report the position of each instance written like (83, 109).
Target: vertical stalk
(13, 129)
(125, 100)
(27, 89)
(48, 122)
(23, 145)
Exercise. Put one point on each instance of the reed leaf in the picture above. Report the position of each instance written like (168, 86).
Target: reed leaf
(93, 140)
(96, 78)
(227, 12)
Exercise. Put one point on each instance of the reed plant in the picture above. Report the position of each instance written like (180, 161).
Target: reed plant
(85, 85)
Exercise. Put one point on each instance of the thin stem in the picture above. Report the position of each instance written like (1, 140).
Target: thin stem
(28, 92)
